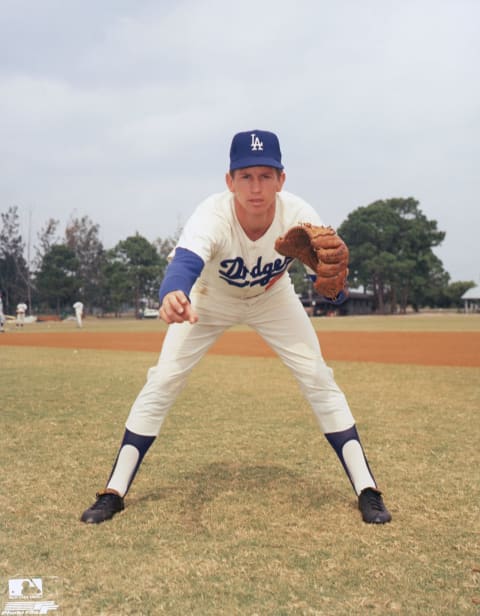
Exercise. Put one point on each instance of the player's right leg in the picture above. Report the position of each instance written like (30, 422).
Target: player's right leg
(182, 349)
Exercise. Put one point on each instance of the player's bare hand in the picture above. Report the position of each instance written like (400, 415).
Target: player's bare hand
(176, 308)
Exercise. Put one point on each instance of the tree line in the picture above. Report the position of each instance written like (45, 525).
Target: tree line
(391, 255)
(76, 266)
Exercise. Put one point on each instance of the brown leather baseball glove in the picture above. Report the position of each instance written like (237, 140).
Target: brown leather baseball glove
(323, 251)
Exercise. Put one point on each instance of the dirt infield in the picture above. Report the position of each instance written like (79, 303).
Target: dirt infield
(423, 348)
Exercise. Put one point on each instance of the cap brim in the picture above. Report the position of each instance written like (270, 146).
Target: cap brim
(255, 161)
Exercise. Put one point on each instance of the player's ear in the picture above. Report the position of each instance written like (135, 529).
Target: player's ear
(281, 180)
(229, 181)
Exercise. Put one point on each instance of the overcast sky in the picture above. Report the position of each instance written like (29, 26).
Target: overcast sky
(123, 110)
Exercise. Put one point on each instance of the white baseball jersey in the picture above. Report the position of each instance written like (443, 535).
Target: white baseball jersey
(236, 266)
(21, 308)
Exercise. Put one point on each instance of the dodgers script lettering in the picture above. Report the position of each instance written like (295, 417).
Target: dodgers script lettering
(236, 273)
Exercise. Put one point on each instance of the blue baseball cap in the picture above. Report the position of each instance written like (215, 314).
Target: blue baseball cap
(255, 148)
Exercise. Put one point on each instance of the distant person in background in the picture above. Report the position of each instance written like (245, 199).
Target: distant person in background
(78, 307)
(2, 317)
(21, 310)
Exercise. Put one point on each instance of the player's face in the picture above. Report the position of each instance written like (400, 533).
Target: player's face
(255, 188)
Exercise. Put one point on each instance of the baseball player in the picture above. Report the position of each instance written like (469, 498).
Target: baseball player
(2, 317)
(78, 307)
(21, 310)
(224, 271)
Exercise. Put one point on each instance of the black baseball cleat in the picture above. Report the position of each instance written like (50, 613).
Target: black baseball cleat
(370, 503)
(104, 508)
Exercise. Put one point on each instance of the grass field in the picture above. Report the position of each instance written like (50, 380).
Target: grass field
(241, 507)
(438, 321)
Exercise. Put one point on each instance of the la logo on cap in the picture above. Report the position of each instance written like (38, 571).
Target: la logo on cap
(256, 143)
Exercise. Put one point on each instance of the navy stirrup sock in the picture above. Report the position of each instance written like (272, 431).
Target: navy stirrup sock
(129, 469)
(356, 466)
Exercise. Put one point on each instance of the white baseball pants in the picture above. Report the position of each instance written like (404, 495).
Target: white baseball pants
(281, 320)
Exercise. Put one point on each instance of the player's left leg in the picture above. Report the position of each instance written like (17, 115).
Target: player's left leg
(285, 326)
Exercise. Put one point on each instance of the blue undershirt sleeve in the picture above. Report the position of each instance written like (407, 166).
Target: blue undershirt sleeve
(338, 301)
(181, 273)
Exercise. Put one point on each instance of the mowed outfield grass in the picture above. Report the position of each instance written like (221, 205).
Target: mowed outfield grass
(422, 322)
(241, 507)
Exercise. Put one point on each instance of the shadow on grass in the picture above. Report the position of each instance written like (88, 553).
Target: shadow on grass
(196, 491)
